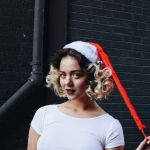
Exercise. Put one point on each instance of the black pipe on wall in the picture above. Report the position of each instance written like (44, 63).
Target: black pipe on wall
(36, 75)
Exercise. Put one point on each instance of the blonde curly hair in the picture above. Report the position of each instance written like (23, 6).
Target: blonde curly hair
(100, 84)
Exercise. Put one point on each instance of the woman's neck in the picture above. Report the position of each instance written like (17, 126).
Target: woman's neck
(82, 105)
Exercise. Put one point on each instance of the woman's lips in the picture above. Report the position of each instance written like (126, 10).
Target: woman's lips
(69, 91)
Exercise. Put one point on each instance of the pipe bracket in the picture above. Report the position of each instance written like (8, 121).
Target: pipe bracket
(35, 63)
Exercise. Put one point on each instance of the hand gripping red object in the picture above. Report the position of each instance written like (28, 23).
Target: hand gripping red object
(102, 56)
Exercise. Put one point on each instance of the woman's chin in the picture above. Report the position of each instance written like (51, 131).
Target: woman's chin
(71, 98)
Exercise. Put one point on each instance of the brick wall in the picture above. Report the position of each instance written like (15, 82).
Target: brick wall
(122, 28)
(16, 40)
(16, 30)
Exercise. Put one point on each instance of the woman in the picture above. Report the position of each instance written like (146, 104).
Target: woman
(145, 144)
(79, 123)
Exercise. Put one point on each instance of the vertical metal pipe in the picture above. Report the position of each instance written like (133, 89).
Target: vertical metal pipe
(36, 75)
(38, 33)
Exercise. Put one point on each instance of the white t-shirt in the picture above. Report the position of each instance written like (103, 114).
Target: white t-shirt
(62, 132)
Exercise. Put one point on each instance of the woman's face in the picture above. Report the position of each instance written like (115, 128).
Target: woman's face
(72, 79)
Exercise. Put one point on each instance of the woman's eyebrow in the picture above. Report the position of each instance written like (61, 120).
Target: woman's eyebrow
(77, 71)
(72, 71)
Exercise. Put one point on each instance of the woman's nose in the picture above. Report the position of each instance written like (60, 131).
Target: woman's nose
(69, 81)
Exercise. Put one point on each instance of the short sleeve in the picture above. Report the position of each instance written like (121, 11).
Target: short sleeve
(115, 135)
(38, 120)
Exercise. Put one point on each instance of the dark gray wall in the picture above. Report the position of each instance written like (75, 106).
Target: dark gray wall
(16, 44)
(16, 31)
(56, 36)
(122, 28)
(16, 40)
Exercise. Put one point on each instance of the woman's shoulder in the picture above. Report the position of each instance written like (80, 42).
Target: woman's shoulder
(111, 126)
(46, 108)
(110, 119)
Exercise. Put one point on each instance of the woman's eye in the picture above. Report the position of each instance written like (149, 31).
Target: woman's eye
(62, 75)
(76, 75)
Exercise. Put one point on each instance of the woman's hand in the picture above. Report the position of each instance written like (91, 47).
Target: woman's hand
(143, 144)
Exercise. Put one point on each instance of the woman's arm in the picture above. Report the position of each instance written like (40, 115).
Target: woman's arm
(116, 148)
(32, 139)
